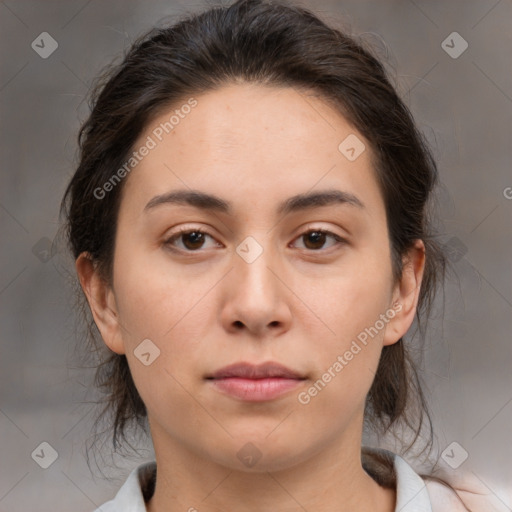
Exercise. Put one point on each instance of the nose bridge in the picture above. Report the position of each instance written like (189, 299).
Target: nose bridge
(252, 271)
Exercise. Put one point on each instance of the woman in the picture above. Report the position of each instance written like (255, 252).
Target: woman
(250, 226)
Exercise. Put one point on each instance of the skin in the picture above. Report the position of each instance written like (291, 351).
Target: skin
(300, 303)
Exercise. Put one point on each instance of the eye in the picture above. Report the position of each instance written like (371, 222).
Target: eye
(191, 240)
(315, 239)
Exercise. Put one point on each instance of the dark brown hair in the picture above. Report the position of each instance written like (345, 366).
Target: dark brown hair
(276, 44)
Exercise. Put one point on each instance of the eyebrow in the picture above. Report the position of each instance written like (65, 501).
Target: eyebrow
(295, 203)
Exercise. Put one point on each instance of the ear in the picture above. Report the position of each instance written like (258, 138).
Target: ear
(100, 297)
(406, 293)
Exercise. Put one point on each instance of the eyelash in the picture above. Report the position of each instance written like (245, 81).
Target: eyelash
(169, 241)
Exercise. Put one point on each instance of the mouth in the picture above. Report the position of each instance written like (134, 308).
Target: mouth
(251, 371)
(255, 383)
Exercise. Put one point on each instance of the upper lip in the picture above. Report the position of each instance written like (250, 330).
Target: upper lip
(252, 371)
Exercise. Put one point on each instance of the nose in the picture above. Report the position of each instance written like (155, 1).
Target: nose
(256, 297)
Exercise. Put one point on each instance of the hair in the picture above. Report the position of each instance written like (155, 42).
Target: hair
(274, 44)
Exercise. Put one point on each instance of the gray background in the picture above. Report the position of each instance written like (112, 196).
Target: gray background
(464, 106)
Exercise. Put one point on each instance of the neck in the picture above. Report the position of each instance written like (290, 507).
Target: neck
(332, 480)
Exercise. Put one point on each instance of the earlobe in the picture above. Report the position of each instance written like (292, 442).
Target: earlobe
(101, 300)
(406, 293)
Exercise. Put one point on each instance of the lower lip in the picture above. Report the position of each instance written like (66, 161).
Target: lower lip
(255, 390)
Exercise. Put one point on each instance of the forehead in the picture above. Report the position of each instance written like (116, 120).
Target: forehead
(250, 142)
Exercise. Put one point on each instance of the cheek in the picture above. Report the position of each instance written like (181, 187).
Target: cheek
(167, 310)
(155, 299)
(346, 361)
(349, 304)
(351, 298)
(175, 312)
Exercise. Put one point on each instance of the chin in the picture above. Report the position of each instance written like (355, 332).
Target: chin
(261, 454)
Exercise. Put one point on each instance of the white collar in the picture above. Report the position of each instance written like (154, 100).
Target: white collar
(411, 491)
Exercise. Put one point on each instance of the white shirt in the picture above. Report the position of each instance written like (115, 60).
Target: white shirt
(413, 494)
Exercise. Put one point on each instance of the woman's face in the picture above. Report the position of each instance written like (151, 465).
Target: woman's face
(261, 284)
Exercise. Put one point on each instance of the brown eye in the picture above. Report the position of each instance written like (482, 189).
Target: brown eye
(191, 240)
(315, 239)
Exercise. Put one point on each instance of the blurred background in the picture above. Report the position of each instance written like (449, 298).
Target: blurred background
(451, 64)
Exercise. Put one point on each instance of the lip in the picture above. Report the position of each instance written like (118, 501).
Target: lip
(255, 383)
(255, 371)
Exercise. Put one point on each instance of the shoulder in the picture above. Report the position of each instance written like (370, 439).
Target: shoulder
(443, 498)
(466, 495)
(422, 493)
(135, 491)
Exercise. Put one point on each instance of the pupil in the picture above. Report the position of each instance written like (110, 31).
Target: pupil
(316, 236)
(196, 238)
